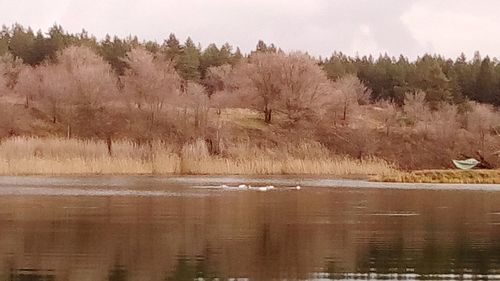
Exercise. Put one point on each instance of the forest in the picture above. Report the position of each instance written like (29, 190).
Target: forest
(220, 103)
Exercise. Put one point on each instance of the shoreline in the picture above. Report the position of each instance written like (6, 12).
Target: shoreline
(469, 177)
(124, 186)
(444, 176)
(56, 157)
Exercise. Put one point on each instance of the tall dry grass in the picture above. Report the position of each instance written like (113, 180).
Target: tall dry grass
(73, 156)
(288, 159)
(444, 176)
(57, 156)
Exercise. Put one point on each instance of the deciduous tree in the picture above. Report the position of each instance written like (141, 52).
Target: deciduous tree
(149, 83)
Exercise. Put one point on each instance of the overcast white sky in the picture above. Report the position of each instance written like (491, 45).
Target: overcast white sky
(411, 27)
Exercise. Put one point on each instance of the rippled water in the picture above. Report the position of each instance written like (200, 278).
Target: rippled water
(188, 228)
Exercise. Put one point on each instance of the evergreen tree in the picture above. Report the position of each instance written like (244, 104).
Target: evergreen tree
(429, 77)
(210, 57)
(262, 47)
(172, 49)
(237, 56)
(189, 61)
(336, 66)
(486, 84)
(225, 54)
(152, 47)
(114, 51)
(4, 40)
(21, 44)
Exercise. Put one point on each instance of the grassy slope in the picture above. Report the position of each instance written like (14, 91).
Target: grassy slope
(31, 121)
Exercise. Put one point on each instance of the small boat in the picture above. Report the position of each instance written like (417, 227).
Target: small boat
(466, 164)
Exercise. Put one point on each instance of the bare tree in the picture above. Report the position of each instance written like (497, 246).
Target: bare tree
(78, 86)
(294, 84)
(348, 94)
(304, 88)
(29, 84)
(483, 122)
(198, 99)
(390, 115)
(415, 106)
(216, 78)
(48, 85)
(3, 81)
(150, 83)
(259, 80)
(9, 72)
(91, 85)
(93, 80)
(445, 125)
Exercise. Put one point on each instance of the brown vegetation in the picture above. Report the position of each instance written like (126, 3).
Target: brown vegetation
(269, 101)
(444, 176)
(56, 156)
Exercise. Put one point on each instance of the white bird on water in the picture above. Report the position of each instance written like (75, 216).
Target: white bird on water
(258, 188)
(266, 188)
(261, 188)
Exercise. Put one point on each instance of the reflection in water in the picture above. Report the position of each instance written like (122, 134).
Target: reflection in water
(205, 234)
(32, 275)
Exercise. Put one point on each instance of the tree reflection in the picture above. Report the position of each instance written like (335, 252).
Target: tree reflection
(118, 273)
(253, 235)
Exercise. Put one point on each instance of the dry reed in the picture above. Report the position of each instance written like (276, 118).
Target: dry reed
(57, 156)
(444, 176)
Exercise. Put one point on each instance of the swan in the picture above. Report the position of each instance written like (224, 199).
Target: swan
(298, 187)
(243, 186)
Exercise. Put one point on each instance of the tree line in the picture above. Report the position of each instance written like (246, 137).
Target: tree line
(72, 84)
(389, 78)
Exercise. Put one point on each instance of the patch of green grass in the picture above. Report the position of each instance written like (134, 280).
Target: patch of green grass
(444, 176)
(244, 118)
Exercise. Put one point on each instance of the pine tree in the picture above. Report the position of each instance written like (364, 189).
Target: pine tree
(189, 61)
(237, 56)
(4, 40)
(486, 85)
(21, 44)
(210, 57)
(429, 77)
(113, 51)
(172, 49)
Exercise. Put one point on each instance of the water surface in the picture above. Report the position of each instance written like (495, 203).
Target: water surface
(188, 228)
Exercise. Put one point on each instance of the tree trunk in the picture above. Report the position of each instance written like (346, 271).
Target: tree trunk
(196, 118)
(109, 144)
(68, 132)
(267, 115)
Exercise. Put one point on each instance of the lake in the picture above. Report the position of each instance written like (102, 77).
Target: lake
(189, 228)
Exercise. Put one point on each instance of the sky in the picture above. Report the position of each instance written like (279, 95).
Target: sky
(409, 27)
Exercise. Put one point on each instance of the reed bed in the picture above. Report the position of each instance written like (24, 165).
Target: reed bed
(52, 156)
(58, 156)
(444, 176)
